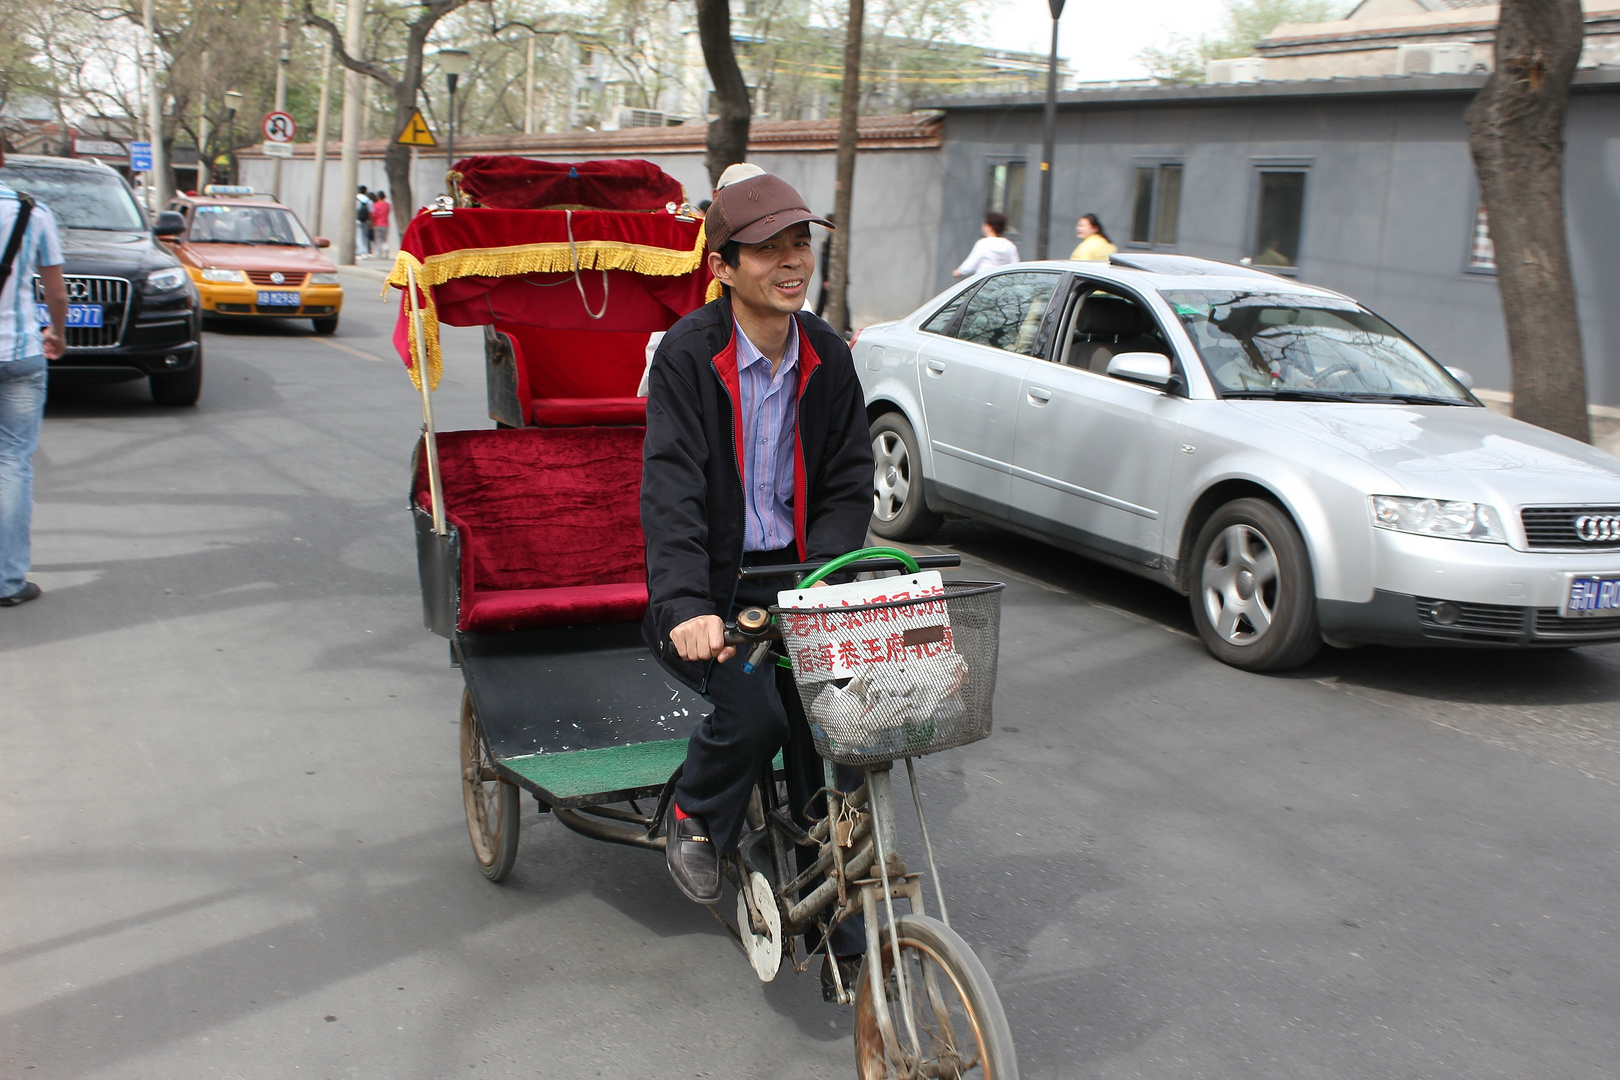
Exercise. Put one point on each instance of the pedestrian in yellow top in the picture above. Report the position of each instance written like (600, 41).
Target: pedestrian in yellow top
(1094, 244)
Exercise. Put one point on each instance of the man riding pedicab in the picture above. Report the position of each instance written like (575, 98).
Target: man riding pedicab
(757, 453)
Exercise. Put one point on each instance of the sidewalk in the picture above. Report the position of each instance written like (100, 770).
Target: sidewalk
(370, 270)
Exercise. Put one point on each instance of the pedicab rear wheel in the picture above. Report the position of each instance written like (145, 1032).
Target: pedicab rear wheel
(961, 1028)
(492, 803)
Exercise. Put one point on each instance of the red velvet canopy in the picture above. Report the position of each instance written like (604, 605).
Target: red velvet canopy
(514, 183)
(557, 269)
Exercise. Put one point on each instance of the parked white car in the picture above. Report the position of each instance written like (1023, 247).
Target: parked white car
(1277, 452)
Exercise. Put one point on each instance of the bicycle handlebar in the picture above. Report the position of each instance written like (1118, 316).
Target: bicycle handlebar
(883, 562)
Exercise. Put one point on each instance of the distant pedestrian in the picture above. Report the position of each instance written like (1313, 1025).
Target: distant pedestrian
(380, 209)
(28, 246)
(362, 224)
(1094, 244)
(992, 250)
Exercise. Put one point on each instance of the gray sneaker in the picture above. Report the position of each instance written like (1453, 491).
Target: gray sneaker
(28, 592)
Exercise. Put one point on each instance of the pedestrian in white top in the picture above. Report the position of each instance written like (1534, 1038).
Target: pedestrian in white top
(992, 251)
(27, 342)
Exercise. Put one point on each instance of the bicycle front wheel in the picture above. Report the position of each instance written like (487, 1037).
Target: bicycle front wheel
(961, 1028)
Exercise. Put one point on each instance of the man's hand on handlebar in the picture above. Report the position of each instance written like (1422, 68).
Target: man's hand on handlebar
(702, 638)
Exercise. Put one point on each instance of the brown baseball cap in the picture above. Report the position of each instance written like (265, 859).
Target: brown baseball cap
(755, 209)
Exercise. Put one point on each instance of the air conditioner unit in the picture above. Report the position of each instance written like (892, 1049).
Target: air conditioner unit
(640, 118)
(1244, 69)
(1433, 59)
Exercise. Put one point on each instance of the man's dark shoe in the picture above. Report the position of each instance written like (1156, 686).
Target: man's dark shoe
(693, 861)
(28, 592)
(849, 969)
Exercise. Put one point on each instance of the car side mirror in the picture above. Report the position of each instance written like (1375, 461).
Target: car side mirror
(321, 241)
(169, 224)
(1463, 377)
(1150, 368)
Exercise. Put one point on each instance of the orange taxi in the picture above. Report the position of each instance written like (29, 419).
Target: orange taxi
(250, 257)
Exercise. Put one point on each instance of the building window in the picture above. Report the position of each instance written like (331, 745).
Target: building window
(1005, 193)
(1278, 218)
(1156, 212)
(1481, 249)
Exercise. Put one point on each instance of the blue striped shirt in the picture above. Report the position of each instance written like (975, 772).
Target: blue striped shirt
(19, 319)
(769, 412)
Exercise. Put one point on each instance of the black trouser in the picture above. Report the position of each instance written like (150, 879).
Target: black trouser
(755, 715)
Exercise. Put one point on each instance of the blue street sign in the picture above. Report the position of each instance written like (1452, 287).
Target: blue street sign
(140, 157)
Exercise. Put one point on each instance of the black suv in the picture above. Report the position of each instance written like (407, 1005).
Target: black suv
(133, 310)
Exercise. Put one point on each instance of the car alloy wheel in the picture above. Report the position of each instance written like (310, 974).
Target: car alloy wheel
(1253, 596)
(1239, 584)
(898, 509)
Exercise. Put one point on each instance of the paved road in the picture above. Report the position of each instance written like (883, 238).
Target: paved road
(231, 840)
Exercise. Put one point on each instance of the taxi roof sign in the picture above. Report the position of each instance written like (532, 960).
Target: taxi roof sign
(416, 132)
(227, 189)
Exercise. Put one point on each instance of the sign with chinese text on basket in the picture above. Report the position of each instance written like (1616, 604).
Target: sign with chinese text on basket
(843, 636)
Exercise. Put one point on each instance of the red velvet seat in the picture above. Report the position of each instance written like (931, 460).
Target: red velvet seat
(586, 412)
(578, 378)
(550, 524)
(518, 609)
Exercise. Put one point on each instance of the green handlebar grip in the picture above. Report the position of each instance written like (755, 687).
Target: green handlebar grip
(856, 556)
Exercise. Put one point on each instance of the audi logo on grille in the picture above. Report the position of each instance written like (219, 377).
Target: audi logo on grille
(1598, 528)
(78, 290)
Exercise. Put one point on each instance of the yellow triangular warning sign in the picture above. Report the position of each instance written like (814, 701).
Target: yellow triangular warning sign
(416, 132)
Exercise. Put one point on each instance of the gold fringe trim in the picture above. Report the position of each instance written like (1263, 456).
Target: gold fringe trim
(550, 258)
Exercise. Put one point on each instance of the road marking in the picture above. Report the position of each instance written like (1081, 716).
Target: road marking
(338, 345)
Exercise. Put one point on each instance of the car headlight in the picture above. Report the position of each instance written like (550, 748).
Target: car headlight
(323, 279)
(1452, 519)
(232, 277)
(167, 280)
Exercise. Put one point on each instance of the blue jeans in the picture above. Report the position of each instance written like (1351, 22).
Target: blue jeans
(22, 406)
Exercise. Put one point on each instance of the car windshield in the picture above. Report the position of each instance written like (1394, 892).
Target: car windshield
(80, 198)
(1297, 346)
(246, 224)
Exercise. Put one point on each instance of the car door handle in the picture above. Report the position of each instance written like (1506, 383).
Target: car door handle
(1038, 395)
(936, 366)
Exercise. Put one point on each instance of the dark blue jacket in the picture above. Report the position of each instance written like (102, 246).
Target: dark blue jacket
(692, 500)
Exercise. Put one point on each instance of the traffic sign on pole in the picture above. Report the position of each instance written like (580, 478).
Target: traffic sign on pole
(140, 157)
(416, 132)
(278, 127)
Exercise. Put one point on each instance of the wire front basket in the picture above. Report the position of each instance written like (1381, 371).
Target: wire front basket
(897, 678)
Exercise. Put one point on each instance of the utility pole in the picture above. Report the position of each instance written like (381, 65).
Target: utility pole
(1043, 234)
(352, 93)
(160, 183)
(528, 92)
(317, 209)
(283, 61)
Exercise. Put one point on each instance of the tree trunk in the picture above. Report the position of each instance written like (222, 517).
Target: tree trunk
(844, 197)
(1516, 134)
(728, 134)
(397, 158)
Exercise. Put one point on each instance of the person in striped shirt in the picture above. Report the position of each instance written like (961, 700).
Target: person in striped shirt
(25, 348)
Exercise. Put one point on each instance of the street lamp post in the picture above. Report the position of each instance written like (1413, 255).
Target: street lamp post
(453, 62)
(233, 101)
(1043, 234)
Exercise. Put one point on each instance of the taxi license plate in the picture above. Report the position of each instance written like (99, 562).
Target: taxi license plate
(1592, 595)
(278, 299)
(78, 315)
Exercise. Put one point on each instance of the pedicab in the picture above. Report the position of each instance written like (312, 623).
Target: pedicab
(530, 554)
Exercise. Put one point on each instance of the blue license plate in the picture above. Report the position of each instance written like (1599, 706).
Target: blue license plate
(78, 315)
(1593, 594)
(278, 299)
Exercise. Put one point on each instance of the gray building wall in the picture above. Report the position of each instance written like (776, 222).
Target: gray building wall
(896, 213)
(1389, 196)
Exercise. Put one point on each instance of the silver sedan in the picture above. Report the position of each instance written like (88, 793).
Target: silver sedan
(1278, 453)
